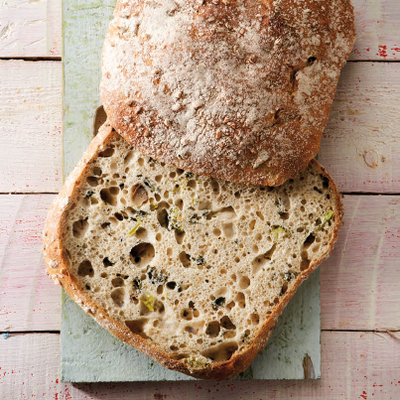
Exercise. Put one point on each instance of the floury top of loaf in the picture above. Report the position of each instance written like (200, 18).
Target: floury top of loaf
(191, 270)
(234, 89)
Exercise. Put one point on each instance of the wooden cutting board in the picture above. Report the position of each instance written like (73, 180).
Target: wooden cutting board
(92, 354)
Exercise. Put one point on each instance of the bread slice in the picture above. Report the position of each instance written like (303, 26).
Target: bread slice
(234, 89)
(192, 271)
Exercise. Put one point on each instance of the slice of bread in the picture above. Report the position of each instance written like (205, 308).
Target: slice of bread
(192, 271)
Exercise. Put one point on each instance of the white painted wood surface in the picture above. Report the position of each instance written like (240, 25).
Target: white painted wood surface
(33, 29)
(360, 147)
(355, 366)
(360, 285)
(28, 299)
(361, 144)
(30, 126)
(30, 28)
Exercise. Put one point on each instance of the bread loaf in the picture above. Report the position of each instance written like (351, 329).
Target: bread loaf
(234, 89)
(192, 271)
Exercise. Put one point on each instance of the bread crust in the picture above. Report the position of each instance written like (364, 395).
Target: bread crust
(58, 267)
(239, 90)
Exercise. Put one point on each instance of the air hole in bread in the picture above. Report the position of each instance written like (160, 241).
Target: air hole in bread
(119, 216)
(192, 184)
(213, 329)
(311, 60)
(217, 232)
(252, 224)
(263, 259)
(309, 241)
(92, 181)
(179, 235)
(226, 323)
(137, 327)
(142, 254)
(105, 225)
(139, 196)
(158, 178)
(104, 275)
(117, 297)
(284, 289)
(79, 228)
(140, 161)
(244, 282)
(215, 187)
(305, 263)
(179, 203)
(141, 233)
(185, 259)
(221, 352)
(204, 205)
(128, 158)
(240, 299)
(162, 214)
(187, 314)
(117, 282)
(108, 152)
(228, 230)
(230, 305)
(284, 215)
(171, 285)
(108, 197)
(255, 319)
(97, 171)
(85, 269)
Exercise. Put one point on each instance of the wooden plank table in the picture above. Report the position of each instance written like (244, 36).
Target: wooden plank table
(360, 285)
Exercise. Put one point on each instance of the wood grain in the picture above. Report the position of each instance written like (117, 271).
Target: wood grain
(30, 28)
(361, 144)
(33, 29)
(377, 30)
(30, 126)
(28, 299)
(355, 366)
(360, 288)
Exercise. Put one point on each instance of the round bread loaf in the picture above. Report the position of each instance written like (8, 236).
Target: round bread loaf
(239, 90)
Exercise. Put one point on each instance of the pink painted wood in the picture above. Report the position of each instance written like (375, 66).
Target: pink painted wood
(28, 302)
(30, 28)
(376, 24)
(355, 366)
(33, 29)
(360, 288)
(30, 126)
(361, 144)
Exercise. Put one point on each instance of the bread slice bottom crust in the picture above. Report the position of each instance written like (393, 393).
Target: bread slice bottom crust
(192, 271)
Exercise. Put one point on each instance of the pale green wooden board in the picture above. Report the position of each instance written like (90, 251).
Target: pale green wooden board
(90, 353)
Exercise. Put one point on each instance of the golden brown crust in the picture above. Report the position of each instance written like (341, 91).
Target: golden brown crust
(58, 268)
(238, 95)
